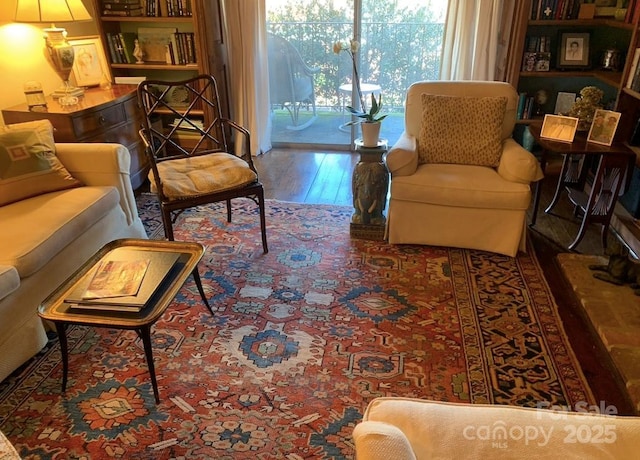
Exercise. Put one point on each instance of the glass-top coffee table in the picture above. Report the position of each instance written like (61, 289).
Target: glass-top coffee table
(57, 308)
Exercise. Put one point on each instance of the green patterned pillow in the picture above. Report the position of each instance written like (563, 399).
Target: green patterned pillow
(461, 130)
(28, 163)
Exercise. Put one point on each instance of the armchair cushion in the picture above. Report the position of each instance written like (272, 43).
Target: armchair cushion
(461, 186)
(28, 162)
(461, 130)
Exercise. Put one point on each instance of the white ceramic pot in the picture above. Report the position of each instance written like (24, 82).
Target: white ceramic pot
(370, 134)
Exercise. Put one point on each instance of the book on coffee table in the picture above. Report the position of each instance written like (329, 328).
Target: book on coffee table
(123, 280)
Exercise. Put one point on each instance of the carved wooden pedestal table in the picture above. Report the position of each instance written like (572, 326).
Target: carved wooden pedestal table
(370, 184)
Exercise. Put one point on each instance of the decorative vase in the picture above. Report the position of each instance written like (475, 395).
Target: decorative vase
(370, 133)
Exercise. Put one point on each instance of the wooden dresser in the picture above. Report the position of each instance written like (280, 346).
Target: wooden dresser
(111, 116)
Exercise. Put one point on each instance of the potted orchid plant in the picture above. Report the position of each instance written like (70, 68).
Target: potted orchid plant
(369, 119)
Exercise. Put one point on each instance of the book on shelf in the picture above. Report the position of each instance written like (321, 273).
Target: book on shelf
(629, 15)
(525, 108)
(121, 6)
(121, 2)
(554, 9)
(522, 97)
(168, 8)
(123, 280)
(120, 47)
(123, 12)
(634, 68)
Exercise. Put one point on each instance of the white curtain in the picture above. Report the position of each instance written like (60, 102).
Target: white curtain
(471, 40)
(246, 37)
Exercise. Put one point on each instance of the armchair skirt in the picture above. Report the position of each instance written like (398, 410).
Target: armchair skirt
(459, 206)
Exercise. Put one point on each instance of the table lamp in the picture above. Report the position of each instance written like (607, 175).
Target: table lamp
(59, 49)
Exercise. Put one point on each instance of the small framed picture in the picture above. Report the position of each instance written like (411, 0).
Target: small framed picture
(559, 128)
(90, 63)
(564, 102)
(603, 127)
(543, 62)
(574, 50)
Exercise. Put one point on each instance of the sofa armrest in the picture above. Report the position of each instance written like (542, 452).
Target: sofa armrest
(402, 158)
(101, 164)
(9, 281)
(517, 164)
(381, 441)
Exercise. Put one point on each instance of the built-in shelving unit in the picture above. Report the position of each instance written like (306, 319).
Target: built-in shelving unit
(200, 19)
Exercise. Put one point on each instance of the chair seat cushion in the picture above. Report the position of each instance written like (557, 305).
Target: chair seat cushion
(202, 175)
(461, 186)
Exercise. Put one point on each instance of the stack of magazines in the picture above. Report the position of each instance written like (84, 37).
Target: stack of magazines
(123, 280)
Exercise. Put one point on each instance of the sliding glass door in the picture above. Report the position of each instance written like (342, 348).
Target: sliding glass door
(310, 85)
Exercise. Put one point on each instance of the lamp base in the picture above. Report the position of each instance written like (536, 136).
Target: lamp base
(67, 91)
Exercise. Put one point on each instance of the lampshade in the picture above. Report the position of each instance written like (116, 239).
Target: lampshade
(51, 11)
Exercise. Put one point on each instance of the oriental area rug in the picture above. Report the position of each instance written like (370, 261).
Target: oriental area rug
(302, 339)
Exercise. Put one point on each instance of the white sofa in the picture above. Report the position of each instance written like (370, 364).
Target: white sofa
(410, 429)
(460, 205)
(45, 238)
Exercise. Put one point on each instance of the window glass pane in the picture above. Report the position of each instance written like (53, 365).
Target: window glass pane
(401, 42)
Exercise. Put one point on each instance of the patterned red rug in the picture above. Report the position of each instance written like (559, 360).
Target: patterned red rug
(302, 339)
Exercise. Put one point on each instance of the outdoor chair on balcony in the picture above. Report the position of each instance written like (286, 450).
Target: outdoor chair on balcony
(186, 143)
(291, 83)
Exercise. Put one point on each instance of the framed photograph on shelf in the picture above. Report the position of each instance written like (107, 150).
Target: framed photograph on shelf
(90, 63)
(543, 62)
(156, 43)
(559, 128)
(574, 50)
(564, 102)
(603, 127)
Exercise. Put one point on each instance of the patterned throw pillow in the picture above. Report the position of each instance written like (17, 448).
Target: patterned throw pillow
(461, 130)
(28, 163)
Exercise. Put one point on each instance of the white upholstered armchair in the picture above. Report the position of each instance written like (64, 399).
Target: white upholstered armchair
(458, 179)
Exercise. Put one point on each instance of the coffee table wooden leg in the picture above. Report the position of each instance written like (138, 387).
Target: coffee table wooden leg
(196, 277)
(61, 329)
(145, 335)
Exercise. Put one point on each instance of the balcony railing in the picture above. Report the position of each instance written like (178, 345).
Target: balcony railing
(392, 56)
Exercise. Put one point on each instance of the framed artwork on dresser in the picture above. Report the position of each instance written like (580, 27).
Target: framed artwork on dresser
(90, 63)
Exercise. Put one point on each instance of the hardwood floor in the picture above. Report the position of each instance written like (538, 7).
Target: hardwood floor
(325, 178)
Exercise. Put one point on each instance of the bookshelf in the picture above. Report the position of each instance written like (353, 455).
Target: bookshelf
(546, 35)
(192, 28)
(608, 28)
